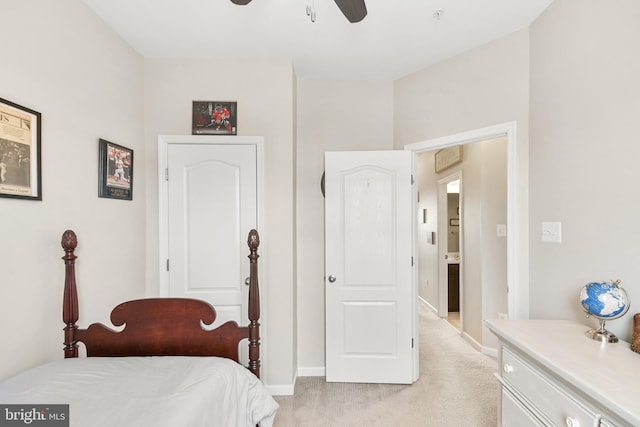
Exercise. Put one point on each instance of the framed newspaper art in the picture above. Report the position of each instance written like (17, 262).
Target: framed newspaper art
(115, 171)
(20, 164)
(214, 118)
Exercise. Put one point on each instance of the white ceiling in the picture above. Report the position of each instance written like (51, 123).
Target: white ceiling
(396, 38)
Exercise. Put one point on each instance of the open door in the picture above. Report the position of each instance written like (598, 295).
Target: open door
(370, 295)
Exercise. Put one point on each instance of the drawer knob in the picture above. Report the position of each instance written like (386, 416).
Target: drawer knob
(571, 422)
(507, 368)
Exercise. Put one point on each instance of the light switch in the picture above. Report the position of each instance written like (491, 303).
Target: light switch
(431, 237)
(501, 230)
(552, 232)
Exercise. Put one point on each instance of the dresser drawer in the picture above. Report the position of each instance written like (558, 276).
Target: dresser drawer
(556, 406)
(514, 414)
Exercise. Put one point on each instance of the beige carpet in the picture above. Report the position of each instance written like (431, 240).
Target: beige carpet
(456, 388)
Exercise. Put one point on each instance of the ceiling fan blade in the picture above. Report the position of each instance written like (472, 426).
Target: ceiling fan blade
(353, 10)
(240, 2)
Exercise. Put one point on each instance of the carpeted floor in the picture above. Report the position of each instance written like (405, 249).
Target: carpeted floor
(456, 388)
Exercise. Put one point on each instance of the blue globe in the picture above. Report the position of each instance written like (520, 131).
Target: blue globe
(604, 300)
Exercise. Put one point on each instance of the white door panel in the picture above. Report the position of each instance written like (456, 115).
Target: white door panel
(368, 244)
(212, 206)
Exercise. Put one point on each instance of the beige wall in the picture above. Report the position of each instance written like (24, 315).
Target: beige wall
(265, 92)
(483, 87)
(585, 105)
(577, 84)
(484, 254)
(571, 78)
(427, 182)
(86, 88)
(332, 116)
(493, 248)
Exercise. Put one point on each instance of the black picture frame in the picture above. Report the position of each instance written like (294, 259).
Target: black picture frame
(214, 118)
(20, 152)
(115, 171)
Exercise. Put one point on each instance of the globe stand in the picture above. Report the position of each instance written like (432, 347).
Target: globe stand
(604, 301)
(601, 334)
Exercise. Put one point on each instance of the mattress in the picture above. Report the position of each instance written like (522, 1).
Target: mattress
(146, 391)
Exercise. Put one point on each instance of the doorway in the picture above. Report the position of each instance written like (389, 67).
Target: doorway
(469, 278)
(516, 216)
(450, 225)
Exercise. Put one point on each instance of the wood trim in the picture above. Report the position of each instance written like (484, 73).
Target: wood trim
(161, 326)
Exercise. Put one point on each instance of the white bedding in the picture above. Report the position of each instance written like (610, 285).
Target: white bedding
(146, 391)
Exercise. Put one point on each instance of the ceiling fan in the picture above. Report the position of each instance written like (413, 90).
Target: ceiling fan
(353, 10)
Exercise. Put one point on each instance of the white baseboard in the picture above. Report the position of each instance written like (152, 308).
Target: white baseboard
(492, 352)
(489, 351)
(427, 304)
(475, 344)
(311, 371)
(280, 390)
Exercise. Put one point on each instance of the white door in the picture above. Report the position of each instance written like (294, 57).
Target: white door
(211, 205)
(370, 299)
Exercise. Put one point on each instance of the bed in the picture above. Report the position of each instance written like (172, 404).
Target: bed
(163, 368)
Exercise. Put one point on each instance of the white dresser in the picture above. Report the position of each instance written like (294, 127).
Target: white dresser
(552, 375)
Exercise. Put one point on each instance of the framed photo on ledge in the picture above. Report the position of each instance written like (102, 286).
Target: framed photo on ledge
(214, 118)
(20, 164)
(448, 157)
(115, 171)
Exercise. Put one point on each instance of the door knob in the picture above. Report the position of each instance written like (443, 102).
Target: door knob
(332, 278)
(246, 281)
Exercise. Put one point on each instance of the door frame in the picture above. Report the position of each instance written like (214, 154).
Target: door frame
(163, 207)
(443, 288)
(517, 205)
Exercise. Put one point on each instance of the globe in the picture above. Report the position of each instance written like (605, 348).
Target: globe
(604, 301)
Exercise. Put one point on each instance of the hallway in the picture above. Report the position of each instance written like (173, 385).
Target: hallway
(456, 388)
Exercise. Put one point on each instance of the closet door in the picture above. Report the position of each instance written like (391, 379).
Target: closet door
(211, 204)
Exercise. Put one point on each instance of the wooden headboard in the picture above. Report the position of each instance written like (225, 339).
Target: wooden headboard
(161, 326)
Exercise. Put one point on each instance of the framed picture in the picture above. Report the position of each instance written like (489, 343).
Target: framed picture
(20, 164)
(214, 118)
(115, 171)
(448, 157)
